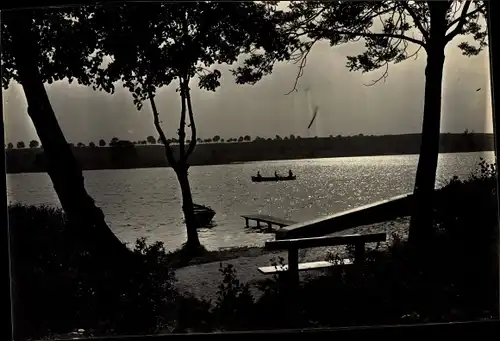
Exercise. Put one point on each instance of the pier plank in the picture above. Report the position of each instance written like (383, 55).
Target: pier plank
(267, 219)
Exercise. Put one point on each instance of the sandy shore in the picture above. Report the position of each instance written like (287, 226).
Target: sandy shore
(202, 280)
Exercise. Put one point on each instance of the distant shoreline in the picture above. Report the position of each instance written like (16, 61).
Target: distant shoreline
(245, 162)
(32, 160)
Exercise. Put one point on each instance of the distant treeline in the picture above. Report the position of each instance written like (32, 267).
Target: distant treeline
(124, 154)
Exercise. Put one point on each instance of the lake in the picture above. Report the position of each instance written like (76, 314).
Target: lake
(147, 202)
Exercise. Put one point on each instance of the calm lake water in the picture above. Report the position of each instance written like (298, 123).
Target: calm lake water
(146, 202)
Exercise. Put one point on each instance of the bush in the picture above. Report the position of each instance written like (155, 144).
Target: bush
(59, 287)
(456, 278)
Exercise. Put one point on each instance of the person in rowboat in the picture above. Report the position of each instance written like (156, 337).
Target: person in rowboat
(258, 174)
(290, 174)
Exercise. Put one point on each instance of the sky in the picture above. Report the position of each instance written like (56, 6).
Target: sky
(346, 105)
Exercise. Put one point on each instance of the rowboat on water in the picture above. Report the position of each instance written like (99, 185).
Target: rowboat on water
(272, 178)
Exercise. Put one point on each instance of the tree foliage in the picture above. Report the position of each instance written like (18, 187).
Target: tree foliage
(392, 32)
(56, 30)
(157, 44)
(388, 29)
(146, 46)
(151, 140)
(34, 144)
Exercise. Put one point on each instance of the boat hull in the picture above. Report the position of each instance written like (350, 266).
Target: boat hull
(203, 215)
(204, 218)
(272, 178)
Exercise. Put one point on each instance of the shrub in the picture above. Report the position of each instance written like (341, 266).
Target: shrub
(58, 286)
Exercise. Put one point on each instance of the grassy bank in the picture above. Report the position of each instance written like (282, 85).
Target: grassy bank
(59, 288)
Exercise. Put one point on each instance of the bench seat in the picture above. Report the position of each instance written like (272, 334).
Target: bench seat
(269, 270)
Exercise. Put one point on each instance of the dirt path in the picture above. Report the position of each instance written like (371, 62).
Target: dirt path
(202, 280)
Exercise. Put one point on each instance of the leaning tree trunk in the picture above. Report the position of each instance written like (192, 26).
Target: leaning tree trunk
(62, 167)
(193, 242)
(421, 226)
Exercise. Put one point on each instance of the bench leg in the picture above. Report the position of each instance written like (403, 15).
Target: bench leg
(293, 267)
(359, 253)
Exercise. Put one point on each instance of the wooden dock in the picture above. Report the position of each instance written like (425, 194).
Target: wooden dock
(266, 219)
(383, 210)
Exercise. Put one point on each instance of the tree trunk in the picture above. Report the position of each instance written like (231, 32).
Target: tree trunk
(421, 226)
(193, 242)
(62, 167)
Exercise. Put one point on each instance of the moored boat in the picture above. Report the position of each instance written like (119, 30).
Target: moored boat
(203, 215)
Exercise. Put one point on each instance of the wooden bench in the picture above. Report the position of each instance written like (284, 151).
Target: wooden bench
(293, 245)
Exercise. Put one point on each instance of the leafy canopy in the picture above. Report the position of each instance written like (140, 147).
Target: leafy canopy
(66, 45)
(153, 44)
(388, 28)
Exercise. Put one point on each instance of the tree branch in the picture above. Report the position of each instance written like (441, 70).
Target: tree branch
(192, 143)
(460, 21)
(184, 85)
(156, 119)
(416, 20)
(450, 25)
(384, 76)
(374, 35)
(182, 123)
(302, 65)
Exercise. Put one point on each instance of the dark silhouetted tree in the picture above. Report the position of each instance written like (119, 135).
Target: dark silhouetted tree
(292, 137)
(216, 138)
(91, 144)
(156, 44)
(20, 144)
(34, 144)
(114, 141)
(393, 31)
(222, 140)
(102, 143)
(151, 140)
(10, 145)
(38, 46)
(247, 138)
(80, 144)
(277, 137)
(240, 139)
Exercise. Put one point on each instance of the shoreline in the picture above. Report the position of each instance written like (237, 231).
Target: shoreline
(31, 160)
(88, 169)
(202, 277)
